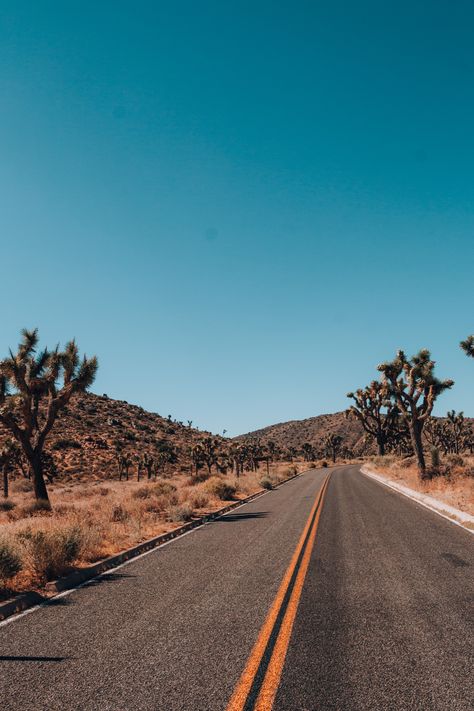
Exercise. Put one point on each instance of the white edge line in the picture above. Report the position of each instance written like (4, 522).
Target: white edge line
(65, 593)
(378, 478)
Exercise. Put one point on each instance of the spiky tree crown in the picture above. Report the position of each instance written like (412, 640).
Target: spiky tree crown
(37, 374)
(413, 383)
(468, 346)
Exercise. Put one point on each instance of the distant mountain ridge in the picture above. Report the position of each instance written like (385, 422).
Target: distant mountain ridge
(295, 433)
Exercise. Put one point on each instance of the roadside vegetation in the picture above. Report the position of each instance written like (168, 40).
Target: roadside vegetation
(430, 454)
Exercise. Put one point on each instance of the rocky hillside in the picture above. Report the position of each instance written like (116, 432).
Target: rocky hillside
(90, 431)
(313, 430)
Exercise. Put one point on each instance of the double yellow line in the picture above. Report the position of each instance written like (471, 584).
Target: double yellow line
(286, 603)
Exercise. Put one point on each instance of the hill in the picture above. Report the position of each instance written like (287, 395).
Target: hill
(295, 433)
(92, 429)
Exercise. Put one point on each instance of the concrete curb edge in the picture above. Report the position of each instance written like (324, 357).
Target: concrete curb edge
(428, 502)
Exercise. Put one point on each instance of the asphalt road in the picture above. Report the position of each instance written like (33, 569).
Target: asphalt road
(384, 619)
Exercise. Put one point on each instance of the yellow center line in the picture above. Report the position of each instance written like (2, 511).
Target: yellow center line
(241, 691)
(272, 678)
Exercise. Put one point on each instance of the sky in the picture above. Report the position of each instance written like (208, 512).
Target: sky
(240, 207)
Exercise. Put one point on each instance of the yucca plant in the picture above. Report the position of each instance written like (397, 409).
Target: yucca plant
(31, 397)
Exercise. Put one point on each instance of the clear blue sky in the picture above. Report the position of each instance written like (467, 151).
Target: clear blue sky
(240, 207)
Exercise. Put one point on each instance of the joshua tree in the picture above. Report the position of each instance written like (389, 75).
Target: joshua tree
(457, 425)
(415, 388)
(332, 443)
(9, 455)
(31, 410)
(308, 451)
(468, 346)
(210, 446)
(148, 464)
(124, 462)
(272, 448)
(437, 434)
(197, 456)
(376, 412)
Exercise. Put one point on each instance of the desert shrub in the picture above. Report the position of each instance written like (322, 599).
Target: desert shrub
(143, 492)
(180, 512)
(66, 443)
(10, 561)
(197, 477)
(156, 504)
(163, 488)
(119, 514)
(22, 485)
(324, 464)
(199, 499)
(52, 552)
(455, 460)
(37, 508)
(266, 483)
(407, 462)
(222, 489)
(7, 505)
(103, 491)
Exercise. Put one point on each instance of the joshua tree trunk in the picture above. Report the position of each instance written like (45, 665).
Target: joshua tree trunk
(417, 443)
(5, 482)
(39, 484)
(381, 446)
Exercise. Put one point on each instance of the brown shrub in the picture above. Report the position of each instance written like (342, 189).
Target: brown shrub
(52, 551)
(180, 512)
(220, 488)
(22, 485)
(119, 514)
(199, 500)
(10, 561)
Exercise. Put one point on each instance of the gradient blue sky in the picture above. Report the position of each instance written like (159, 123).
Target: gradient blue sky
(240, 207)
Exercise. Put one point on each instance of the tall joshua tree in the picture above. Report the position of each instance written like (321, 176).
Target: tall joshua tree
(36, 398)
(332, 444)
(468, 346)
(376, 411)
(415, 388)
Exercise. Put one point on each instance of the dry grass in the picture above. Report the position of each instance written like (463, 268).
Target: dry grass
(91, 521)
(455, 485)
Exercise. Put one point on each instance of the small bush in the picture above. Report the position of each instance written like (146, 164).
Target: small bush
(23, 485)
(266, 483)
(324, 464)
(7, 505)
(143, 492)
(180, 512)
(10, 561)
(455, 460)
(52, 552)
(103, 491)
(222, 489)
(66, 443)
(163, 488)
(119, 514)
(38, 507)
(199, 500)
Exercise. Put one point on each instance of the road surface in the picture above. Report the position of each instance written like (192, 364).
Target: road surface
(319, 595)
